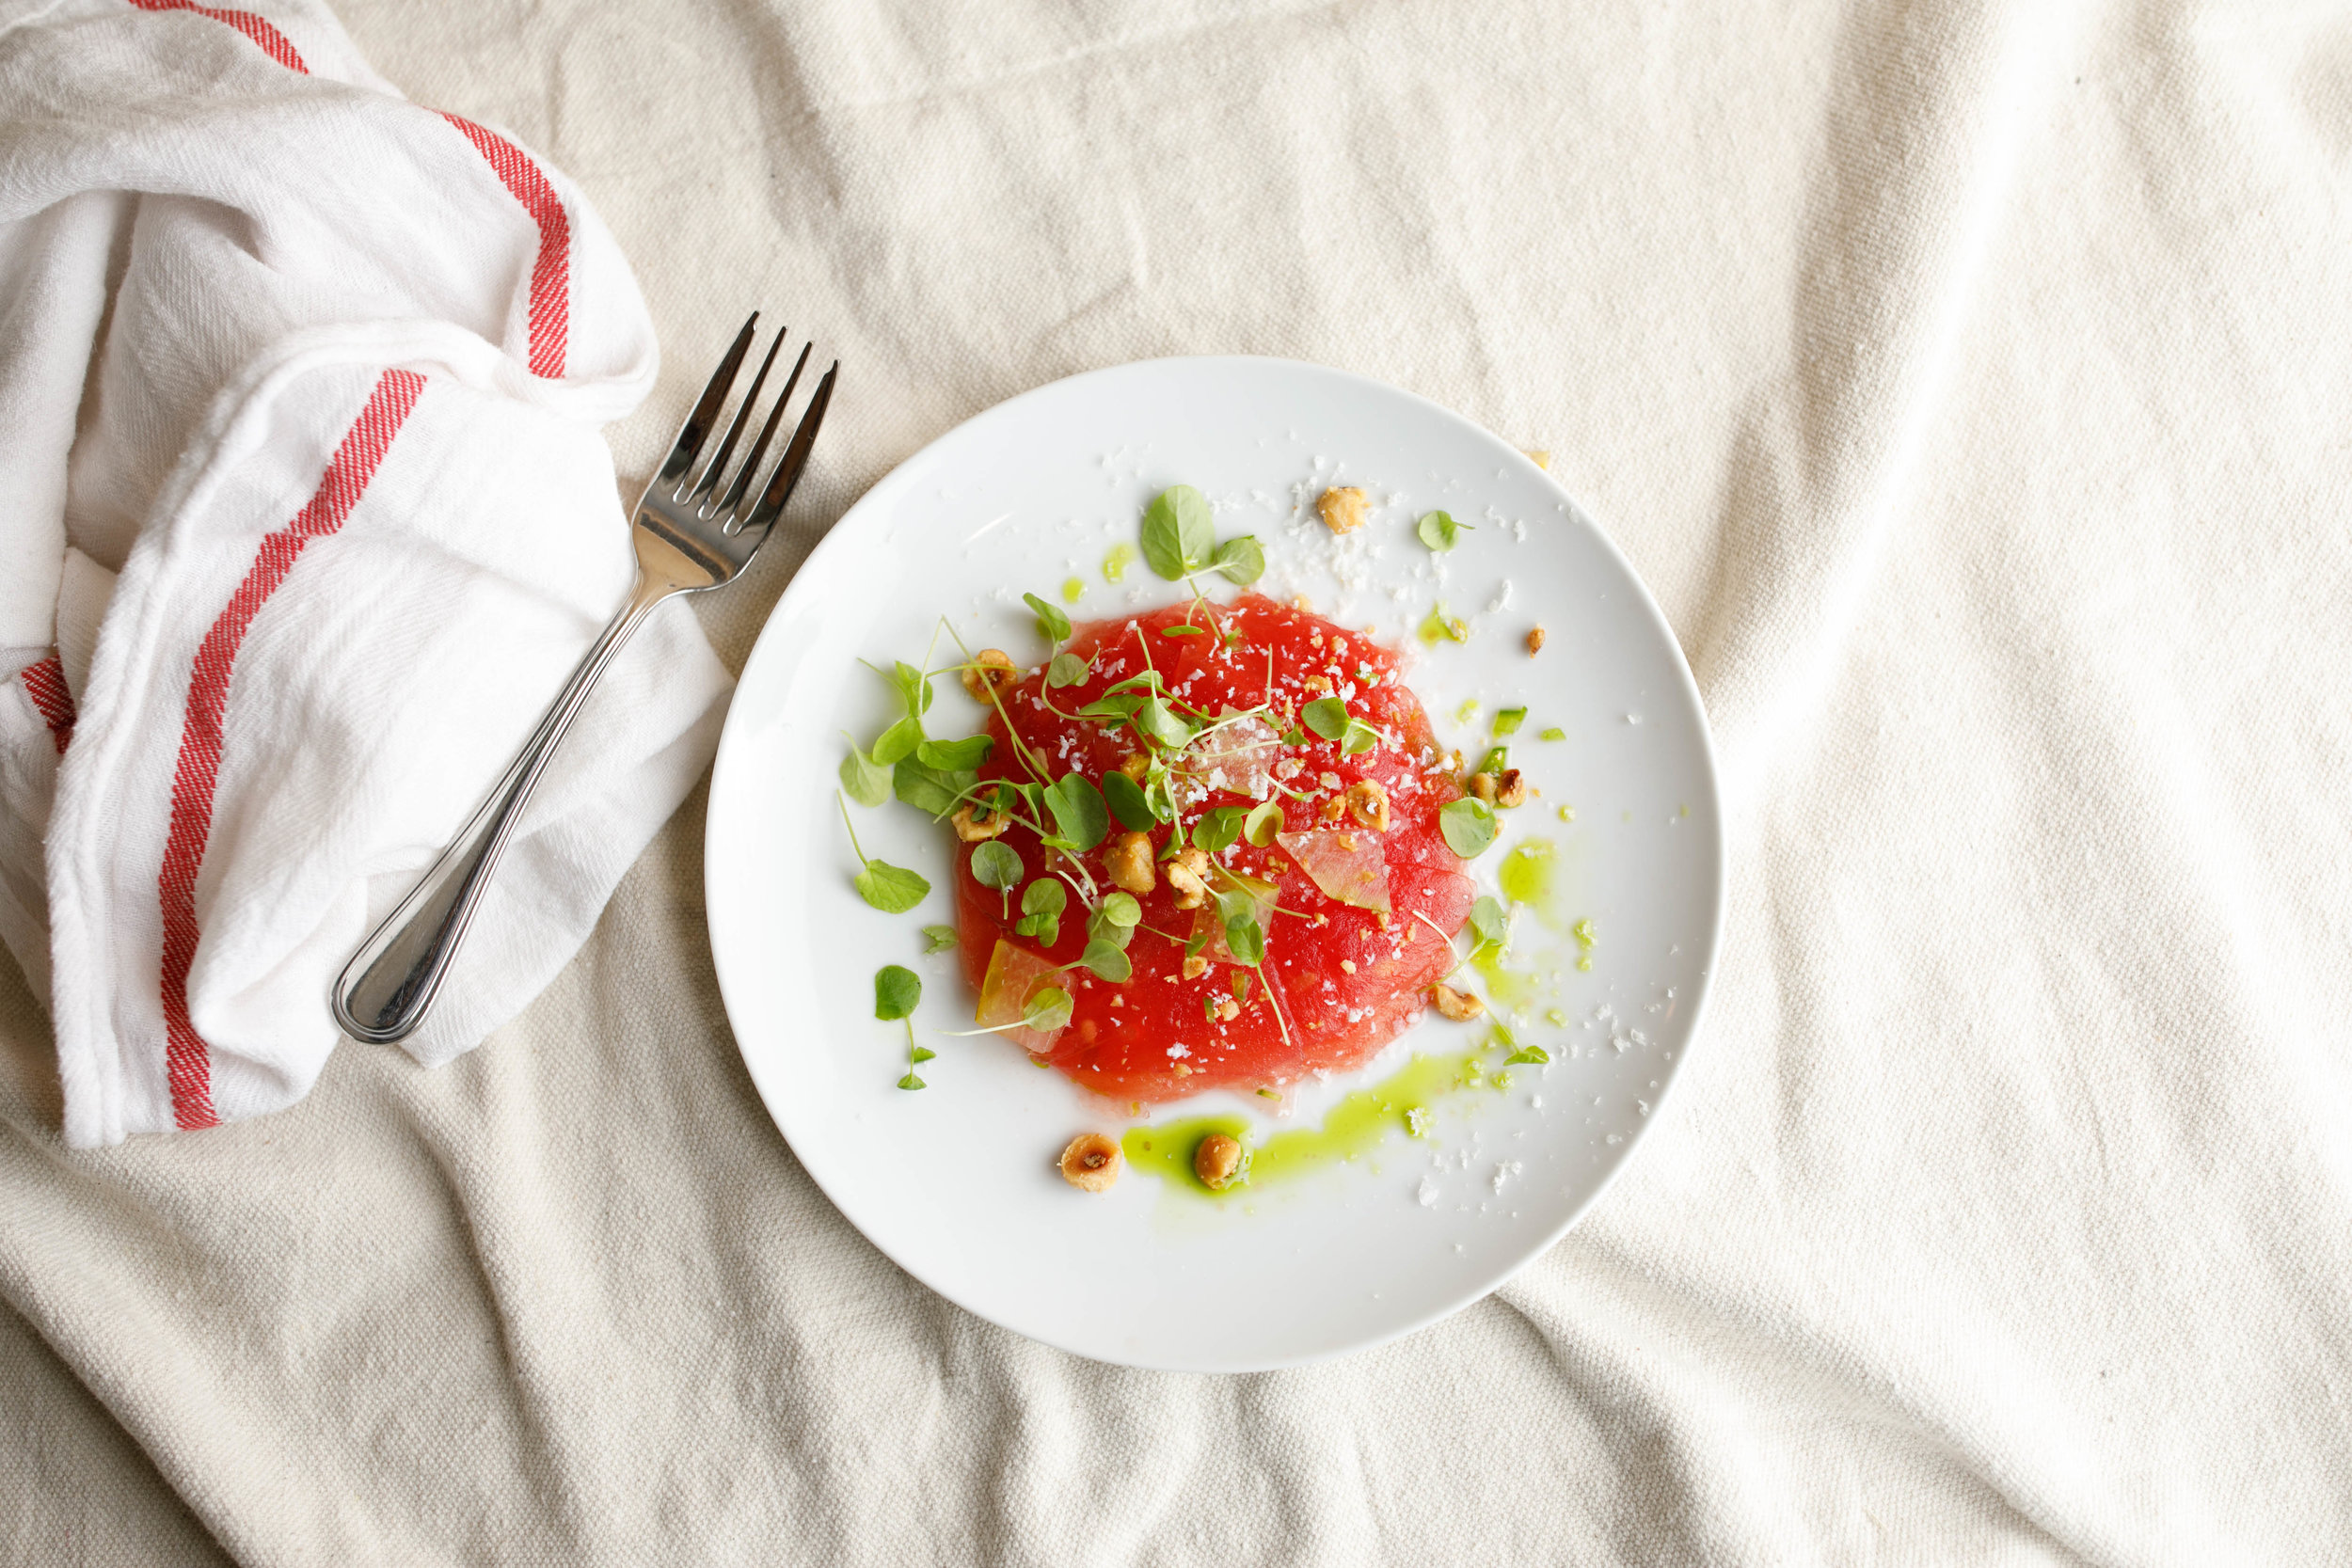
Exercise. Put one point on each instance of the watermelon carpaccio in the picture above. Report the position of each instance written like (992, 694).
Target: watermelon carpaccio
(1346, 976)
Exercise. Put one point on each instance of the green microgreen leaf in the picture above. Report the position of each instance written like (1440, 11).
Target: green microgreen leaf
(1047, 1009)
(892, 889)
(1218, 828)
(1052, 625)
(938, 938)
(1078, 811)
(898, 742)
(1149, 680)
(1122, 909)
(1179, 532)
(1534, 1053)
(912, 1081)
(914, 688)
(1358, 739)
(1116, 710)
(1159, 793)
(1327, 717)
(1246, 937)
(951, 756)
(1066, 670)
(863, 779)
(922, 1054)
(1488, 922)
(1263, 823)
(1241, 559)
(1108, 960)
(1159, 723)
(934, 790)
(1196, 942)
(997, 864)
(1437, 530)
(897, 989)
(1553, 733)
(1468, 824)
(1128, 803)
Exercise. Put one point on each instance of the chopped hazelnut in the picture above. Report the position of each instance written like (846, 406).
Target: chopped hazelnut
(976, 821)
(1332, 809)
(1182, 1070)
(1347, 841)
(1217, 1160)
(1091, 1163)
(990, 673)
(1459, 1005)
(1347, 966)
(1189, 876)
(1129, 862)
(1195, 966)
(1368, 802)
(1229, 1009)
(1483, 786)
(1135, 764)
(1510, 789)
(1317, 682)
(1342, 508)
(1534, 641)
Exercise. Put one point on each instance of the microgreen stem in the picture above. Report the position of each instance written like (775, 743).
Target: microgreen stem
(838, 801)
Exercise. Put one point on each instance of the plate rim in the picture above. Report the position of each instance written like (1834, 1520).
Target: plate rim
(730, 747)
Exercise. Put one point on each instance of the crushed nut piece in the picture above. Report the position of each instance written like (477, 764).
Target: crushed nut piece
(1217, 1160)
(1195, 966)
(1483, 786)
(990, 673)
(1129, 862)
(976, 821)
(1347, 841)
(1459, 1005)
(1135, 764)
(1091, 1163)
(1329, 781)
(1368, 802)
(1342, 508)
(1332, 809)
(1182, 1071)
(1317, 682)
(1229, 1009)
(1347, 966)
(1510, 789)
(1189, 876)
(1534, 641)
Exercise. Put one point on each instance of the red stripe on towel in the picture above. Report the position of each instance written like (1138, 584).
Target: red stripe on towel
(272, 42)
(550, 274)
(44, 683)
(187, 1057)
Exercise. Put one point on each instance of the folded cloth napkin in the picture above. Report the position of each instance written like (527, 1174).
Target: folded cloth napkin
(303, 515)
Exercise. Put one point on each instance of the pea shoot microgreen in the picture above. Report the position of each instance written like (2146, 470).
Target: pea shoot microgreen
(939, 938)
(863, 779)
(1437, 530)
(1080, 814)
(1042, 905)
(997, 864)
(892, 889)
(1047, 1009)
(1052, 625)
(1488, 923)
(1218, 828)
(1066, 670)
(1263, 823)
(1328, 717)
(1468, 824)
(1129, 803)
(896, 992)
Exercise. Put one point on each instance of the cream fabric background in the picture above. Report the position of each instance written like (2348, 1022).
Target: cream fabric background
(1970, 383)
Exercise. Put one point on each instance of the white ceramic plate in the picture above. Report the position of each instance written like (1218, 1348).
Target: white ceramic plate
(957, 1182)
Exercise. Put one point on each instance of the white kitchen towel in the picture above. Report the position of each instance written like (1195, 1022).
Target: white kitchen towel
(304, 514)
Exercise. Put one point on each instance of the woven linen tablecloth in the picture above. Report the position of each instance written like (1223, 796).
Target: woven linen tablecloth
(1971, 383)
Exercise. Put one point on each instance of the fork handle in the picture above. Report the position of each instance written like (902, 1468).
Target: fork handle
(385, 991)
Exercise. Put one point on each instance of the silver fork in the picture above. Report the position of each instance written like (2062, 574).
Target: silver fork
(690, 535)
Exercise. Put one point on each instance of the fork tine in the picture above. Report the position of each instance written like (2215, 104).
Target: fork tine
(718, 464)
(759, 447)
(696, 429)
(788, 473)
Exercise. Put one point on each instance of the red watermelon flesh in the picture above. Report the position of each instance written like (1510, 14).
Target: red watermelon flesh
(1339, 980)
